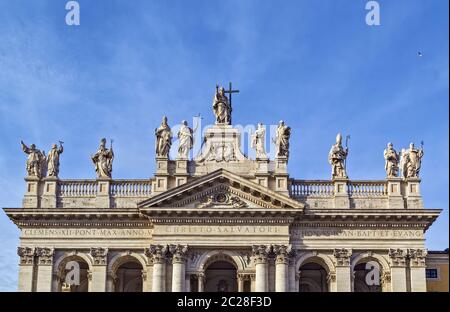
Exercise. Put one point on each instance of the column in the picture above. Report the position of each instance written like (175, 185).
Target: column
(26, 269)
(201, 282)
(157, 254)
(291, 272)
(398, 270)
(417, 267)
(188, 283)
(260, 254)
(98, 271)
(44, 269)
(111, 282)
(178, 267)
(241, 279)
(343, 270)
(281, 267)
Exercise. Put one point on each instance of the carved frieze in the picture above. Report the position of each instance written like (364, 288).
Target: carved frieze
(222, 198)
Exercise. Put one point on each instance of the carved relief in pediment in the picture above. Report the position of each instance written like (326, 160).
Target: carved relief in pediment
(222, 198)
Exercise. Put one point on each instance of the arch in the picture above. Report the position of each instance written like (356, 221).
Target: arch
(370, 256)
(315, 257)
(220, 255)
(314, 287)
(124, 257)
(69, 256)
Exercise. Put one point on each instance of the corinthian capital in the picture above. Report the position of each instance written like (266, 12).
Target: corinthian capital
(26, 255)
(99, 254)
(398, 257)
(417, 257)
(342, 256)
(178, 253)
(45, 255)
(157, 253)
(260, 253)
(282, 253)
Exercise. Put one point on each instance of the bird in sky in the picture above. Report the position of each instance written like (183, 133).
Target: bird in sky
(419, 53)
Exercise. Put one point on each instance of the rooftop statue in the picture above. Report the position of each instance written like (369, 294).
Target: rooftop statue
(412, 161)
(185, 139)
(36, 162)
(53, 160)
(282, 140)
(337, 158)
(222, 108)
(258, 141)
(391, 161)
(163, 139)
(103, 159)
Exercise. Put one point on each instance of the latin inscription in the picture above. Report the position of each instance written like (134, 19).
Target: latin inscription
(337, 233)
(220, 229)
(95, 233)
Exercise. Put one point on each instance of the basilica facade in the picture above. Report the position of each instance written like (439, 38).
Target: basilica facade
(222, 222)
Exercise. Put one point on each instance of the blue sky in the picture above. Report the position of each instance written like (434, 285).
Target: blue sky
(315, 64)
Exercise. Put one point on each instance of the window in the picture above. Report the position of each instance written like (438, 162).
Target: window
(431, 273)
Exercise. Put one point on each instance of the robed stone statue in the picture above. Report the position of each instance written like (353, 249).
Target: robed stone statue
(258, 141)
(337, 157)
(185, 140)
(222, 108)
(53, 160)
(36, 161)
(413, 161)
(103, 160)
(282, 140)
(163, 139)
(392, 159)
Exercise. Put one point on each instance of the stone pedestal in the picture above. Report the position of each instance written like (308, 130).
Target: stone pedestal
(394, 188)
(413, 197)
(32, 197)
(161, 182)
(181, 171)
(49, 196)
(281, 175)
(262, 171)
(103, 199)
(341, 199)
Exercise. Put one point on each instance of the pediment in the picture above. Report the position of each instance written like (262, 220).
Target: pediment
(221, 189)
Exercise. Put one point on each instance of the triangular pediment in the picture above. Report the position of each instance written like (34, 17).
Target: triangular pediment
(221, 189)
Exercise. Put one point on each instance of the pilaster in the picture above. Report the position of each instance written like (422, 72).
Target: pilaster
(44, 269)
(343, 270)
(26, 268)
(99, 269)
(398, 270)
(417, 267)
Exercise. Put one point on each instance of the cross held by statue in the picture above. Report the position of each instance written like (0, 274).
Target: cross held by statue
(230, 91)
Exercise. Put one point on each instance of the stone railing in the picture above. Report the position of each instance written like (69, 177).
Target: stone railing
(311, 188)
(367, 188)
(77, 188)
(131, 188)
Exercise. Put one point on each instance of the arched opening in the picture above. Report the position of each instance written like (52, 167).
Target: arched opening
(73, 275)
(313, 278)
(129, 277)
(367, 276)
(221, 276)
